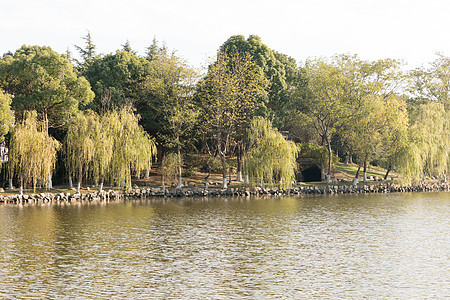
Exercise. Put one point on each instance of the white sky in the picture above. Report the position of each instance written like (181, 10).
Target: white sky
(404, 29)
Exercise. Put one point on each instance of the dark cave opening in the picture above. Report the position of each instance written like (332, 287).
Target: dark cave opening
(313, 173)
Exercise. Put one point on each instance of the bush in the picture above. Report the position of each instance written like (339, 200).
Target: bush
(190, 170)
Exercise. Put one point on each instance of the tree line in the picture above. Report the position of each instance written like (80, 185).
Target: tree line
(105, 118)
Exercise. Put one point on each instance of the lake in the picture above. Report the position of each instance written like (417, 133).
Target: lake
(373, 246)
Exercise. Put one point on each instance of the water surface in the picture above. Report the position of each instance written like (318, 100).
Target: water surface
(372, 246)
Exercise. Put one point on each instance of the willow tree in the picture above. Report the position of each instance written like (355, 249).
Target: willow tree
(271, 157)
(427, 153)
(32, 153)
(103, 151)
(133, 149)
(394, 135)
(79, 145)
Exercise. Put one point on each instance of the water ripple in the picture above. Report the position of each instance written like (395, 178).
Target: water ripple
(339, 247)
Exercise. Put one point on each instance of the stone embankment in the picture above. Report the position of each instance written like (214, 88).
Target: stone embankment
(198, 192)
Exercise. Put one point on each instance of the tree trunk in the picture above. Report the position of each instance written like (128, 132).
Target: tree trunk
(180, 183)
(246, 179)
(78, 187)
(239, 164)
(365, 170)
(330, 156)
(262, 184)
(21, 186)
(100, 187)
(70, 182)
(229, 169)
(355, 180)
(46, 122)
(147, 174)
(387, 173)
(350, 156)
(11, 184)
(179, 168)
(224, 170)
(163, 187)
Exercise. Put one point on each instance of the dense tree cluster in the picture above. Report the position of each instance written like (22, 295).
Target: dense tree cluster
(108, 115)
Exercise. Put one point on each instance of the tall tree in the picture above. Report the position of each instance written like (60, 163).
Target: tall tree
(280, 70)
(118, 80)
(327, 104)
(87, 53)
(340, 93)
(174, 85)
(155, 50)
(43, 80)
(228, 97)
(127, 47)
(432, 83)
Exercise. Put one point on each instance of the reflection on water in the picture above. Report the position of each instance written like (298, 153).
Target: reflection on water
(351, 246)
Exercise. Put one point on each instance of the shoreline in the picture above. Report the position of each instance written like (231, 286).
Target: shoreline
(110, 195)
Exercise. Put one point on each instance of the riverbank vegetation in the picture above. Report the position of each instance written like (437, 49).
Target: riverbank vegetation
(253, 117)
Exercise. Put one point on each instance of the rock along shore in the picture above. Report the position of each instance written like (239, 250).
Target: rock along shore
(111, 195)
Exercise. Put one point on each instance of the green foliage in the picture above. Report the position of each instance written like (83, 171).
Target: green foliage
(112, 146)
(346, 96)
(271, 158)
(394, 133)
(43, 80)
(173, 87)
(190, 170)
(169, 166)
(154, 50)
(279, 69)
(32, 153)
(317, 152)
(117, 80)
(80, 144)
(228, 98)
(427, 153)
(87, 53)
(6, 116)
(433, 83)
(133, 149)
(209, 164)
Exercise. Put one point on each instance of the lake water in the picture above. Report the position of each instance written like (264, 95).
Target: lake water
(372, 246)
